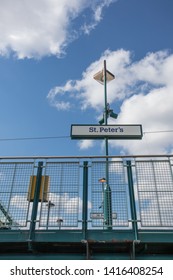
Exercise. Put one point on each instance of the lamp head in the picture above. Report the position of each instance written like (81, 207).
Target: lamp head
(99, 76)
(102, 180)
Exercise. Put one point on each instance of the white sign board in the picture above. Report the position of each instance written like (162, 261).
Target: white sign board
(106, 131)
(101, 215)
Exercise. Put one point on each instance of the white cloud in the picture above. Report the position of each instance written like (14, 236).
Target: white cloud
(85, 144)
(97, 7)
(154, 112)
(143, 89)
(44, 27)
(57, 96)
(70, 204)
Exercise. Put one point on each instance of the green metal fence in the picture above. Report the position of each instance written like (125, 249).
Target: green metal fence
(15, 209)
(63, 206)
(68, 194)
(119, 193)
(154, 182)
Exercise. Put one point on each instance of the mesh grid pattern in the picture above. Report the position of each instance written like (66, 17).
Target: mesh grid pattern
(60, 205)
(14, 183)
(155, 193)
(119, 193)
(63, 204)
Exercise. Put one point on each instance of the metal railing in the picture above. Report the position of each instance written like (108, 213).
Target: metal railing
(141, 192)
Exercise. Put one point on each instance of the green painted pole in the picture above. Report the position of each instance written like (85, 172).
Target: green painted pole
(107, 199)
(133, 209)
(35, 204)
(85, 200)
(132, 199)
(85, 209)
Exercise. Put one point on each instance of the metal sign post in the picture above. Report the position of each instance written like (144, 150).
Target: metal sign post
(107, 196)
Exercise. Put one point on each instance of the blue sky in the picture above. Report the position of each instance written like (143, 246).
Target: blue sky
(49, 51)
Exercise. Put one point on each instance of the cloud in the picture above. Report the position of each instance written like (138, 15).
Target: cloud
(70, 205)
(154, 112)
(66, 206)
(97, 15)
(85, 144)
(33, 29)
(142, 89)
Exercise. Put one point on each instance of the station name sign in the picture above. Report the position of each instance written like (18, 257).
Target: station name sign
(106, 131)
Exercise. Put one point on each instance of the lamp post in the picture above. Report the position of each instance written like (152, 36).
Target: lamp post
(103, 77)
(49, 205)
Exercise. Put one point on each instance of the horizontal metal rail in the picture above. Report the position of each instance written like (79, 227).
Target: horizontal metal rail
(87, 157)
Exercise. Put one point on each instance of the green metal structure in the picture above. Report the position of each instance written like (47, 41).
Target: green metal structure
(70, 223)
(5, 215)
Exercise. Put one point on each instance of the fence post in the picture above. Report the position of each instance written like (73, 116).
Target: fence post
(85, 209)
(132, 207)
(85, 199)
(35, 204)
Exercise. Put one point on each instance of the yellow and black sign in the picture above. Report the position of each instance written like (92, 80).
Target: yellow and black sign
(44, 188)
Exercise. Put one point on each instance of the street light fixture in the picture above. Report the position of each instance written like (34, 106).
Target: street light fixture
(99, 76)
(59, 221)
(102, 180)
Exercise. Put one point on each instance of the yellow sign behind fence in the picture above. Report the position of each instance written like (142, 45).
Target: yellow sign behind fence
(43, 188)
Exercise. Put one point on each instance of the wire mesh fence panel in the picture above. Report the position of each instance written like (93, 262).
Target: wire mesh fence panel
(117, 194)
(61, 203)
(61, 194)
(154, 180)
(15, 209)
